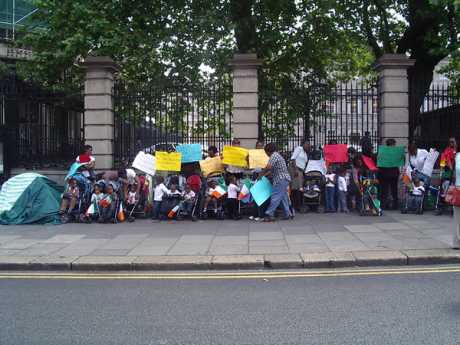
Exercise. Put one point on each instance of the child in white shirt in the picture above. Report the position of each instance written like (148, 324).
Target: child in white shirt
(416, 197)
(232, 199)
(159, 192)
(342, 191)
(189, 200)
(330, 191)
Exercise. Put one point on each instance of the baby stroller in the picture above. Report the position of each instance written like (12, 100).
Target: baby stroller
(370, 204)
(440, 187)
(85, 187)
(312, 191)
(214, 210)
(413, 203)
(170, 206)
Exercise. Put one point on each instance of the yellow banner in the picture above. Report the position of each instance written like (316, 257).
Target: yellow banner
(211, 166)
(257, 159)
(236, 156)
(168, 161)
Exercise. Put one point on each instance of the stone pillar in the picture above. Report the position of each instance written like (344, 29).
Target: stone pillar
(393, 89)
(99, 121)
(245, 98)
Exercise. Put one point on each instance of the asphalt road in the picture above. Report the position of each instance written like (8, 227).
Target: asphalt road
(377, 309)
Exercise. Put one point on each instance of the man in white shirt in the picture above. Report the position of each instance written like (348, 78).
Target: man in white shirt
(299, 160)
(300, 155)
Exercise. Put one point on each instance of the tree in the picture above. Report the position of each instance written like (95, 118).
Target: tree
(427, 30)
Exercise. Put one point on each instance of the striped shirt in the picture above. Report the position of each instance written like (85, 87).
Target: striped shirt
(279, 168)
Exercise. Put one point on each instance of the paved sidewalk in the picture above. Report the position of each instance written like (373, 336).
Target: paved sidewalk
(310, 240)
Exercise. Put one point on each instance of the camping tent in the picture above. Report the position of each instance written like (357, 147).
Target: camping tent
(29, 198)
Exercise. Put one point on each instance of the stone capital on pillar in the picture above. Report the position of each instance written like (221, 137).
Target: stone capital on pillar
(393, 88)
(99, 120)
(245, 98)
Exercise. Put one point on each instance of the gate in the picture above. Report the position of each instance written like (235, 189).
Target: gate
(40, 128)
(321, 113)
(158, 118)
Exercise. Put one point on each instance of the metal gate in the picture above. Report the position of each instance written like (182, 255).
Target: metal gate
(157, 118)
(40, 129)
(318, 112)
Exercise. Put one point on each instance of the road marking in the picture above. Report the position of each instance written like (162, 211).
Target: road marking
(230, 275)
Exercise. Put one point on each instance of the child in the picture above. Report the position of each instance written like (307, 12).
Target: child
(94, 209)
(70, 197)
(132, 196)
(174, 191)
(232, 198)
(186, 205)
(210, 198)
(330, 190)
(159, 192)
(342, 191)
(108, 204)
(416, 196)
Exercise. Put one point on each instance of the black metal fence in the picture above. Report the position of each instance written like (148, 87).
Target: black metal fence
(319, 112)
(157, 118)
(438, 117)
(40, 129)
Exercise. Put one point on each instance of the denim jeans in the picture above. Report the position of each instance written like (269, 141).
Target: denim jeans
(279, 196)
(330, 199)
(342, 202)
(156, 209)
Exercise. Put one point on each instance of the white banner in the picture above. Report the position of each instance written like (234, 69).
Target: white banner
(145, 162)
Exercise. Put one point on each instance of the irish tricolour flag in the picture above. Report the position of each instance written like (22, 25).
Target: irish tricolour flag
(244, 193)
(219, 191)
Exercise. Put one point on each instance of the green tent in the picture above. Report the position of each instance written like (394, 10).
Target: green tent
(29, 198)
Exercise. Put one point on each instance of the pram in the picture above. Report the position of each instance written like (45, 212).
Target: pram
(170, 206)
(85, 187)
(139, 208)
(370, 204)
(312, 191)
(440, 187)
(413, 203)
(213, 211)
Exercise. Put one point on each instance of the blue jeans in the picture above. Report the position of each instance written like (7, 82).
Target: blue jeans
(156, 209)
(330, 199)
(279, 196)
(343, 202)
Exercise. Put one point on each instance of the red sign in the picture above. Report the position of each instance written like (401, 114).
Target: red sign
(369, 163)
(336, 153)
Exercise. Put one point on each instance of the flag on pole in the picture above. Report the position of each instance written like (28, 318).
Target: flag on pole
(218, 192)
(173, 212)
(245, 193)
(121, 213)
(91, 210)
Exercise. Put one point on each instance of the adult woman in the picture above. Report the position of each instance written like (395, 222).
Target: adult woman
(388, 179)
(448, 155)
(416, 161)
(456, 241)
(281, 178)
(299, 160)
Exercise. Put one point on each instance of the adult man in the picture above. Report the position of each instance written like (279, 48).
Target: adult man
(281, 178)
(234, 170)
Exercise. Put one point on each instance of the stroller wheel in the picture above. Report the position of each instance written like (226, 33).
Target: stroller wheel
(65, 219)
(403, 211)
(131, 219)
(194, 219)
(420, 211)
(438, 212)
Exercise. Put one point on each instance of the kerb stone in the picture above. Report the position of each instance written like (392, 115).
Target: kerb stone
(171, 262)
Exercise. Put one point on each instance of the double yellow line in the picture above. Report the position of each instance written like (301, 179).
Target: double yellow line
(210, 275)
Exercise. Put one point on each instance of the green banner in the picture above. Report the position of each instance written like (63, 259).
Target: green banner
(391, 156)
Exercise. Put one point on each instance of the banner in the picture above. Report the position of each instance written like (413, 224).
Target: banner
(337, 153)
(190, 152)
(369, 163)
(236, 156)
(316, 165)
(391, 156)
(430, 161)
(168, 161)
(211, 165)
(257, 159)
(261, 191)
(145, 162)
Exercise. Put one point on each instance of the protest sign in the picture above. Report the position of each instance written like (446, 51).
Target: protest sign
(337, 153)
(190, 152)
(236, 156)
(369, 163)
(145, 162)
(211, 165)
(261, 191)
(390, 156)
(257, 159)
(316, 165)
(430, 162)
(168, 161)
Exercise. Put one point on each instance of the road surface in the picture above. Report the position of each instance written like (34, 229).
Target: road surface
(360, 307)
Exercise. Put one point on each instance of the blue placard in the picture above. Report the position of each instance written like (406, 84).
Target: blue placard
(190, 152)
(261, 191)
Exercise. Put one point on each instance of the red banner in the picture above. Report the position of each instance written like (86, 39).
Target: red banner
(369, 163)
(336, 153)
